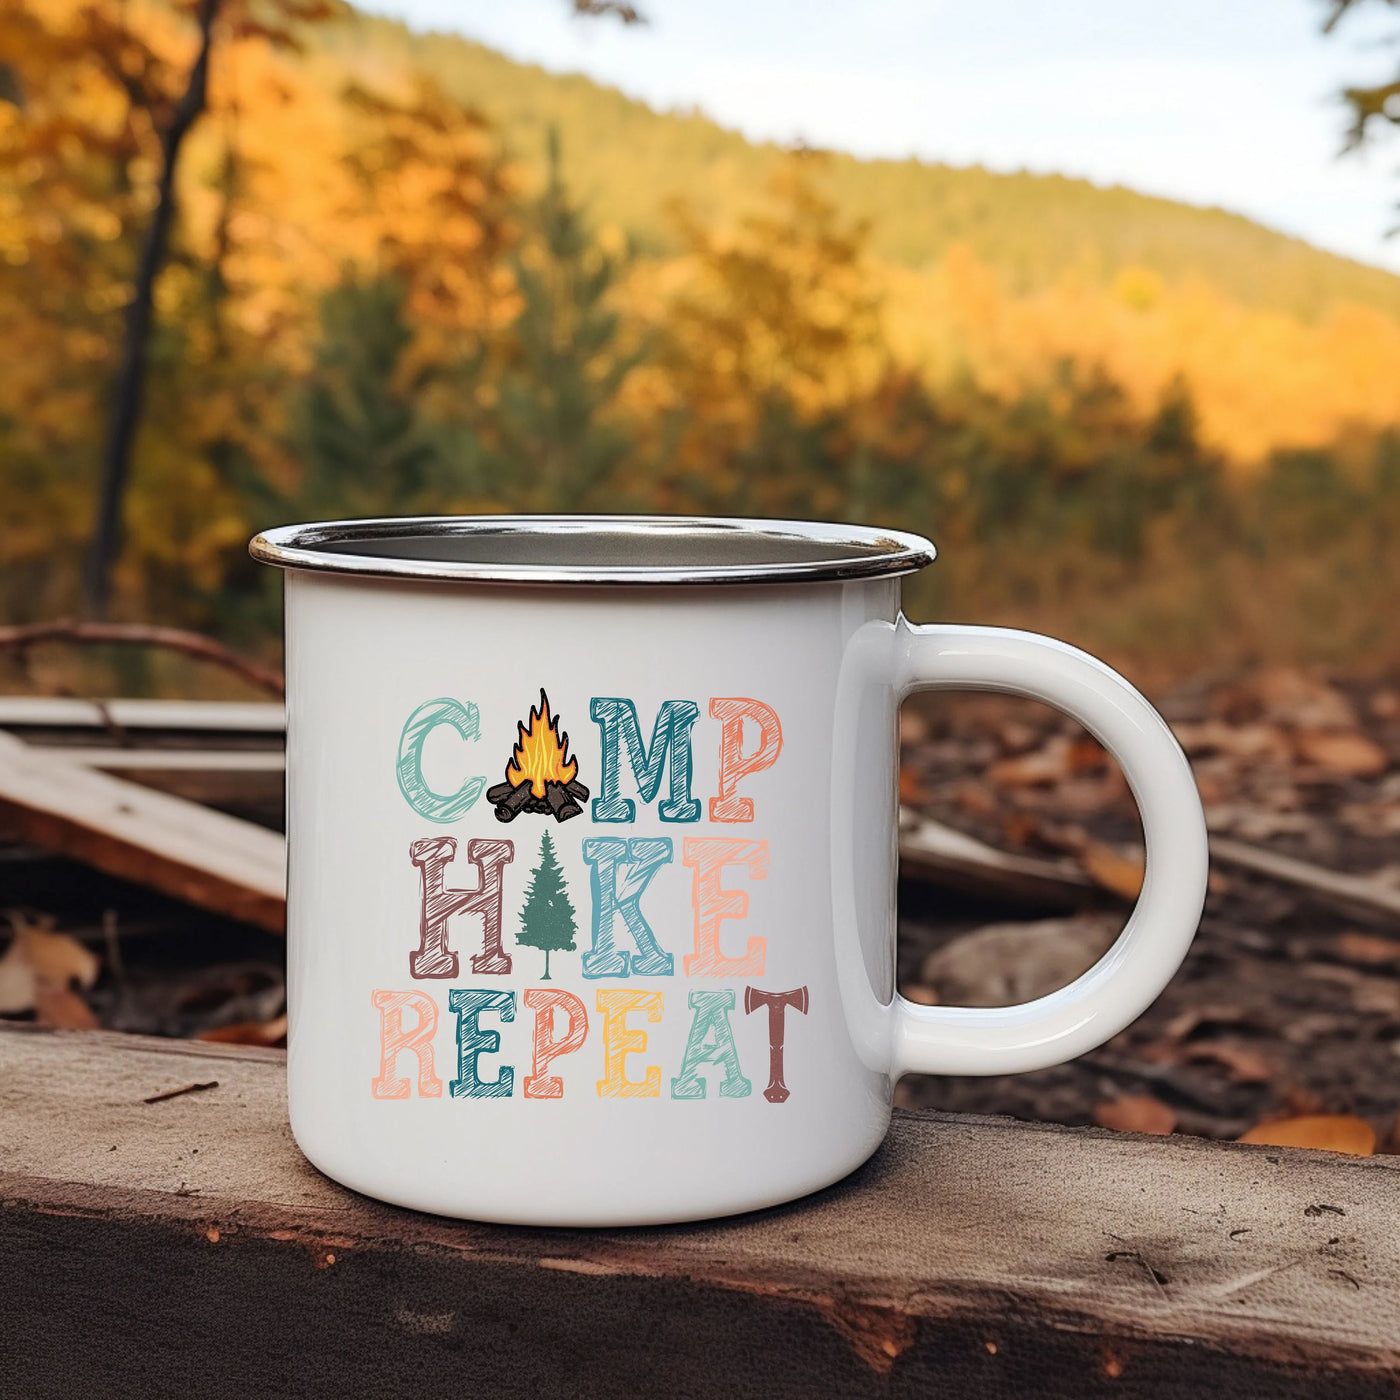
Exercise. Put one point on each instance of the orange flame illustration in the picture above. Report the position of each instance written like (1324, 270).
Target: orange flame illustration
(541, 753)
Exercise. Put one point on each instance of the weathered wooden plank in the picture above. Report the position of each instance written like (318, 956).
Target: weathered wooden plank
(938, 854)
(212, 716)
(248, 783)
(189, 760)
(1371, 897)
(929, 850)
(178, 847)
(186, 1246)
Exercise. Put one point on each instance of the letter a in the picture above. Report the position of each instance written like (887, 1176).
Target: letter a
(711, 1041)
(432, 855)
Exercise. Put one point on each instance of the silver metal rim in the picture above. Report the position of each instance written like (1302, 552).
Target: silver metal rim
(868, 552)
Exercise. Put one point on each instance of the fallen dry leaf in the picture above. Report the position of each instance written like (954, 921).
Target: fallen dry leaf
(1015, 736)
(1344, 752)
(62, 1008)
(17, 983)
(974, 799)
(1372, 818)
(1246, 743)
(913, 727)
(250, 1032)
(1020, 828)
(1212, 1013)
(1113, 870)
(1291, 697)
(1324, 1132)
(1385, 704)
(1084, 795)
(920, 995)
(1044, 765)
(1368, 948)
(1303, 1030)
(58, 958)
(1244, 1065)
(912, 790)
(1300, 1102)
(1377, 995)
(1135, 1113)
(1251, 822)
(40, 967)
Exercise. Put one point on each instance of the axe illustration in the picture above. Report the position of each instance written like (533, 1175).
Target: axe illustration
(777, 1004)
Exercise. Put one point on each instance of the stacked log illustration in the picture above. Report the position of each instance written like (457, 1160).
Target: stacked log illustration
(540, 777)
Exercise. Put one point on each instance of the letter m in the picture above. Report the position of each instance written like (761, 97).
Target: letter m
(617, 719)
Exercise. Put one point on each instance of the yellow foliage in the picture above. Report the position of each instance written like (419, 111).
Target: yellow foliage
(1260, 379)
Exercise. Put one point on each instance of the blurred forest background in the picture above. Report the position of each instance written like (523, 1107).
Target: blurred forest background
(395, 273)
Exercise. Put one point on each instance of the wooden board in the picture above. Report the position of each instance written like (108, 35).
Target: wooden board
(184, 1247)
(210, 716)
(167, 760)
(236, 763)
(204, 857)
(940, 855)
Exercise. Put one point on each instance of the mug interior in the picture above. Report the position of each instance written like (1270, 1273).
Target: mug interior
(595, 549)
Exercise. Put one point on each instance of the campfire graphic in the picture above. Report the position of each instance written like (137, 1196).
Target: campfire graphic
(540, 776)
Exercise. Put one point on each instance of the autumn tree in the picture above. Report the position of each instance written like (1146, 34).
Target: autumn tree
(434, 209)
(775, 330)
(73, 148)
(168, 108)
(1372, 106)
(551, 422)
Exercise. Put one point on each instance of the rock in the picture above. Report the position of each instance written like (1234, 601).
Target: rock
(1003, 964)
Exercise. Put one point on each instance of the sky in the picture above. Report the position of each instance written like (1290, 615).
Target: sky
(1216, 102)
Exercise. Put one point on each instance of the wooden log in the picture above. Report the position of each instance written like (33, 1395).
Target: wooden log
(561, 803)
(970, 1257)
(939, 855)
(204, 857)
(513, 803)
(1373, 898)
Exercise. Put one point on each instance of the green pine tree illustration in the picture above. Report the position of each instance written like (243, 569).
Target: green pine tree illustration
(547, 919)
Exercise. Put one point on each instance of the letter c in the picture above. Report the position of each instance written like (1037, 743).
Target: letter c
(434, 805)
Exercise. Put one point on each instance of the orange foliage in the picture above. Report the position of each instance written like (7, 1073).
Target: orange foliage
(1259, 378)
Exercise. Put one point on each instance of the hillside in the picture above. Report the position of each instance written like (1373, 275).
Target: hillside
(628, 161)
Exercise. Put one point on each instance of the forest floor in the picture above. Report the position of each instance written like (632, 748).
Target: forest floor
(1288, 1004)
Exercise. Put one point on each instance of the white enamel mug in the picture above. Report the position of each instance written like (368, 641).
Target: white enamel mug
(592, 834)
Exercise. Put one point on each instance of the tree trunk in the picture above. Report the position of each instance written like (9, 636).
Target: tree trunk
(131, 371)
(546, 977)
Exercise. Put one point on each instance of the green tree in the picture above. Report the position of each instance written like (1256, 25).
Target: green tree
(357, 434)
(553, 429)
(547, 919)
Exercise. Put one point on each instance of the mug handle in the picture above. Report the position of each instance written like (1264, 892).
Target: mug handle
(1129, 977)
